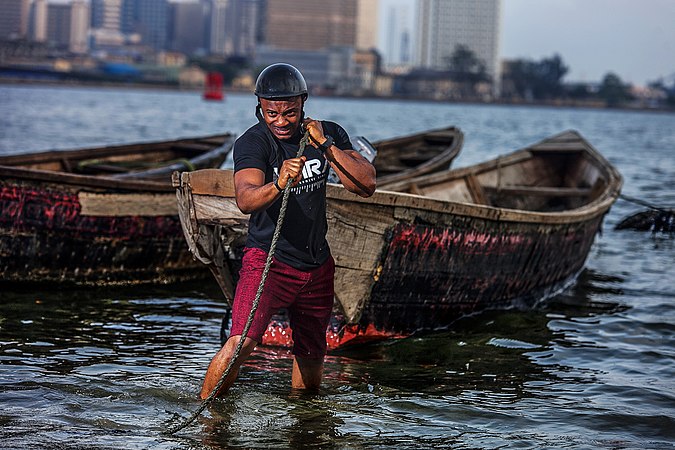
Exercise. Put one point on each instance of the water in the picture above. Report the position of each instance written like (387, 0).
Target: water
(109, 368)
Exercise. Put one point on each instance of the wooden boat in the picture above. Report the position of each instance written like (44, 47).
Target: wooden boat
(403, 157)
(103, 215)
(430, 249)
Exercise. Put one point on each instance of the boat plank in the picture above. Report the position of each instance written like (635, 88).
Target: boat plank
(541, 191)
(120, 205)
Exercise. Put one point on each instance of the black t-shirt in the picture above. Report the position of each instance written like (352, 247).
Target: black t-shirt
(302, 242)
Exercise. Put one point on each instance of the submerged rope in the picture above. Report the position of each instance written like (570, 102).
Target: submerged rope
(275, 237)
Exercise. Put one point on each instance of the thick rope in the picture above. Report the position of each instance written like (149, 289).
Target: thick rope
(275, 237)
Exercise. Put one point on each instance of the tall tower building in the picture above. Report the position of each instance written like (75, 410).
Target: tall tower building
(246, 14)
(58, 25)
(150, 19)
(366, 23)
(14, 19)
(218, 29)
(444, 24)
(187, 30)
(235, 26)
(38, 21)
(106, 14)
(106, 23)
(315, 25)
(79, 26)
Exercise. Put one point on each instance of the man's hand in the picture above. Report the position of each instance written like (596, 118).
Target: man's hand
(316, 136)
(291, 168)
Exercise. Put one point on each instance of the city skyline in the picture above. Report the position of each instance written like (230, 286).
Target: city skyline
(635, 41)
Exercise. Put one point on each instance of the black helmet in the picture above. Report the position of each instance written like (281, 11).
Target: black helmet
(280, 81)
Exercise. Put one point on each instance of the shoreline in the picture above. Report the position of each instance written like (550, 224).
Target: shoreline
(226, 91)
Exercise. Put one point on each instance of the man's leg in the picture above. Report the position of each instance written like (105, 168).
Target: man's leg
(220, 362)
(307, 373)
(309, 318)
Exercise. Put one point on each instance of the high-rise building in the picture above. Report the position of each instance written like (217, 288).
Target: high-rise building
(106, 23)
(315, 25)
(14, 19)
(79, 26)
(187, 27)
(58, 24)
(37, 24)
(445, 24)
(245, 26)
(366, 24)
(106, 14)
(148, 18)
(218, 28)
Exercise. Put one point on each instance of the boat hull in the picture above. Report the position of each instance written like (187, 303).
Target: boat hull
(47, 236)
(61, 224)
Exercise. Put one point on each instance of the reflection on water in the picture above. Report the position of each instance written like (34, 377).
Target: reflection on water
(114, 368)
(104, 365)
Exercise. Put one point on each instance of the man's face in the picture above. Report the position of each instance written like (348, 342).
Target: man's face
(282, 116)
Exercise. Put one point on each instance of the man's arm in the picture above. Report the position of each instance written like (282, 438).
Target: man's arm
(253, 194)
(356, 173)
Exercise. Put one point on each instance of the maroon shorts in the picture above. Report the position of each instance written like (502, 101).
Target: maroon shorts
(308, 297)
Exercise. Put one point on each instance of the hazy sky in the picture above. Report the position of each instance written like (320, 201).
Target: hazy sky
(633, 38)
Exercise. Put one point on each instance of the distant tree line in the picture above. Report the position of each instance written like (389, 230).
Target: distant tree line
(543, 81)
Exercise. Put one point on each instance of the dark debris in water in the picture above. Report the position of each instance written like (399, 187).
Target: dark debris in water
(656, 221)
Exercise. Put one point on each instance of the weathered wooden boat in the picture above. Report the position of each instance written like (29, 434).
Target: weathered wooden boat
(431, 249)
(102, 215)
(413, 155)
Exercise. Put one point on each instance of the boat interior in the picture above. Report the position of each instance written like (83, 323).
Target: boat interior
(530, 180)
(408, 152)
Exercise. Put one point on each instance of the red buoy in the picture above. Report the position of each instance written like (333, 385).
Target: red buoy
(213, 89)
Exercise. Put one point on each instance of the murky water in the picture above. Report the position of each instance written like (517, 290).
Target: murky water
(109, 368)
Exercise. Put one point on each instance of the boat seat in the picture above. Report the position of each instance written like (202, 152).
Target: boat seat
(541, 191)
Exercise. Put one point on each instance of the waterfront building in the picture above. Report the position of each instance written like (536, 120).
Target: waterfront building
(235, 27)
(246, 26)
(14, 19)
(324, 70)
(68, 25)
(149, 19)
(58, 24)
(37, 24)
(79, 26)
(218, 29)
(106, 14)
(315, 25)
(367, 13)
(187, 27)
(445, 24)
(106, 23)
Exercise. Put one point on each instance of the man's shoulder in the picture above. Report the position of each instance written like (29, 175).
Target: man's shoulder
(338, 133)
(254, 136)
(331, 126)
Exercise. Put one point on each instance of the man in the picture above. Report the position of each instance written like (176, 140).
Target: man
(301, 275)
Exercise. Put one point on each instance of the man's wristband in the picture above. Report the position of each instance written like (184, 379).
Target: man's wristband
(276, 185)
(328, 143)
